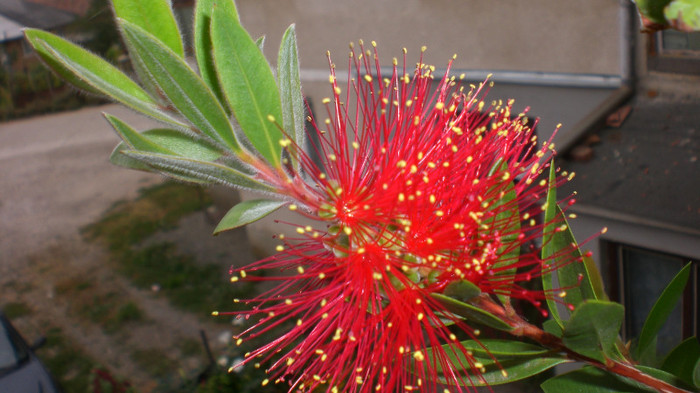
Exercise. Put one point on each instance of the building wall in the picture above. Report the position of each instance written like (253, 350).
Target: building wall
(565, 36)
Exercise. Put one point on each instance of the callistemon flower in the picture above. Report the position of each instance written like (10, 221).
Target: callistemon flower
(422, 184)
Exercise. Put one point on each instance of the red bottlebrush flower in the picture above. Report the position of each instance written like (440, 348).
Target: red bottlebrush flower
(422, 184)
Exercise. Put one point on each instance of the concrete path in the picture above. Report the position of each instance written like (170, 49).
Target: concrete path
(55, 176)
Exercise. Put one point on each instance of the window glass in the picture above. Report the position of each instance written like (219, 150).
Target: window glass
(646, 274)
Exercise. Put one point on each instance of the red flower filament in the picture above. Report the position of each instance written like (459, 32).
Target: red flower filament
(422, 184)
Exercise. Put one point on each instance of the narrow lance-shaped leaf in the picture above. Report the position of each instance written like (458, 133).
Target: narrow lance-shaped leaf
(133, 139)
(505, 223)
(248, 84)
(185, 90)
(184, 145)
(293, 114)
(247, 212)
(547, 246)
(89, 72)
(591, 380)
(515, 360)
(662, 309)
(152, 19)
(202, 41)
(684, 362)
(198, 171)
(593, 329)
(164, 141)
(153, 16)
(559, 247)
(471, 312)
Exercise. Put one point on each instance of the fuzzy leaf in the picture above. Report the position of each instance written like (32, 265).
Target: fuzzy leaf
(661, 310)
(185, 90)
(293, 114)
(247, 212)
(89, 72)
(593, 329)
(197, 171)
(471, 312)
(133, 139)
(202, 41)
(248, 84)
(154, 16)
(515, 360)
(182, 144)
(684, 362)
(120, 159)
(164, 141)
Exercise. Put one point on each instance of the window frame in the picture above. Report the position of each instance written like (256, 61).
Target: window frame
(614, 279)
(670, 61)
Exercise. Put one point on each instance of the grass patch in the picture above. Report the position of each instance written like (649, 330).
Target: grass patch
(111, 310)
(16, 309)
(190, 347)
(157, 208)
(189, 284)
(154, 361)
(68, 364)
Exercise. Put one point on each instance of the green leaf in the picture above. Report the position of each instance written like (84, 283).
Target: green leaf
(164, 141)
(684, 362)
(551, 326)
(471, 312)
(502, 348)
(89, 72)
(260, 42)
(462, 290)
(547, 247)
(197, 171)
(684, 15)
(595, 278)
(560, 248)
(507, 223)
(653, 10)
(518, 360)
(120, 159)
(592, 380)
(664, 376)
(248, 84)
(133, 139)
(246, 212)
(154, 16)
(593, 329)
(202, 41)
(183, 145)
(185, 90)
(662, 309)
(293, 113)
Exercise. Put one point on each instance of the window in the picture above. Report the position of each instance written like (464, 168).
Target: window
(675, 51)
(636, 277)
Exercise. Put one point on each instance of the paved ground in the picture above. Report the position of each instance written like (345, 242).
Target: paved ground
(55, 178)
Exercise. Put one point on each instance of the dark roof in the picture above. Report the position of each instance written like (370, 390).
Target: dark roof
(35, 15)
(649, 168)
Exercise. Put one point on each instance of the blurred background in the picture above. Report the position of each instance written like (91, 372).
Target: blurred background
(118, 269)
